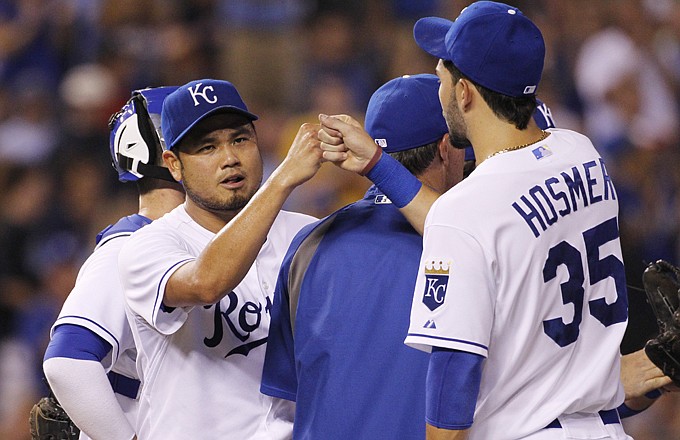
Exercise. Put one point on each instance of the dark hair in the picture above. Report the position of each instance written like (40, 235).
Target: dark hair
(517, 111)
(416, 160)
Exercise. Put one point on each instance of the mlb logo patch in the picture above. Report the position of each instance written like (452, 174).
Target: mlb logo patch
(436, 283)
(382, 143)
(541, 152)
(381, 199)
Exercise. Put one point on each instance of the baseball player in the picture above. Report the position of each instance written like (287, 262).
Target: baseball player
(199, 281)
(331, 331)
(521, 278)
(90, 360)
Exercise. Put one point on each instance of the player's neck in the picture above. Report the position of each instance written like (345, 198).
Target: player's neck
(500, 136)
(213, 221)
(158, 202)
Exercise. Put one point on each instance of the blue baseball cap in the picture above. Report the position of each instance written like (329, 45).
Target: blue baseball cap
(193, 102)
(493, 44)
(405, 113)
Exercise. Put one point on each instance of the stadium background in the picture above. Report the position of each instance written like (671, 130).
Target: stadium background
(612, 72)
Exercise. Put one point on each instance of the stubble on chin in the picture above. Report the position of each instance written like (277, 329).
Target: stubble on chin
(456, 124)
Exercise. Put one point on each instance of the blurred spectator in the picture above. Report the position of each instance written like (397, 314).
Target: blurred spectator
(260, 48)
(666, 41)
(333, 49)
(626, 98)
(26, 45)
(56, 258)
(90, 93)
(25, 204)
(29, 135)
(76, 32)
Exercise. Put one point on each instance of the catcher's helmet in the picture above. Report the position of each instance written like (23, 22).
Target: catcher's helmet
(135, 137)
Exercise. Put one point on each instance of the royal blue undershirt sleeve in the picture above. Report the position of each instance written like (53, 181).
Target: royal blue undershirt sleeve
(76, 342)
(452, 386)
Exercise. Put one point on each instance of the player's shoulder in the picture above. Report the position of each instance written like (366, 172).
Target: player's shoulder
(167, 228)
(567, 137)
(122, 228)
(169, 222)
(291, 222)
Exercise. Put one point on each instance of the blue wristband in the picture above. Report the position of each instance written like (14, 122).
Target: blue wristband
(395, 181)
(654, 394)
(625, 412)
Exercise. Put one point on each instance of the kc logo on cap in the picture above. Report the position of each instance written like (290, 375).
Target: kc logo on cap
(200, 90)
(195, 101)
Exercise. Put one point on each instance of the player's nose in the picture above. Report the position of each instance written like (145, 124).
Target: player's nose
(228, 156)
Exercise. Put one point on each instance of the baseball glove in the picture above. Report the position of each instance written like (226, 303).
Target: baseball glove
(49, 421)
(662, 285)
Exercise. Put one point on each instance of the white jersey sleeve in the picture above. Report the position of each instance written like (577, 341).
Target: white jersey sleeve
(460, 262)
(96, 303)
(145, 265)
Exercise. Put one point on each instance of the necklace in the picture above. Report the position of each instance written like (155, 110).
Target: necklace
(544, 134)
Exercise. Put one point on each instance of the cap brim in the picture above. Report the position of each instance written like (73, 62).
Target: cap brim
(216, 110)
(430, 35)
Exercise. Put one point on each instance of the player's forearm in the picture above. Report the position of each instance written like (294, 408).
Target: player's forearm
(226, 260)
(85, 393)
(434, 433)
(416, 211)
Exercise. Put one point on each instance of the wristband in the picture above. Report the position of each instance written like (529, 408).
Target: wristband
(372, 162)
(625, 411)
(395, 181)
(654, 394)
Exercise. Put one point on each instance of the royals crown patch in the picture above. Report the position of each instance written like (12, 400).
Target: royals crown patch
(436, 283)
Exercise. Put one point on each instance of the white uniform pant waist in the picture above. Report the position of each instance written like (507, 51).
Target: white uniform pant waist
(583, 426)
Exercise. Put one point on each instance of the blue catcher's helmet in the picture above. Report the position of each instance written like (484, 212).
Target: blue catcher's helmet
(136, 137)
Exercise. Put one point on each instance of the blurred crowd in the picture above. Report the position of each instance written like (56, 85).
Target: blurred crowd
(612, 72)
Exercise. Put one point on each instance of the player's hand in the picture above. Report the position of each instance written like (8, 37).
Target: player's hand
(303, 159)
(344, 142)
(640, 376)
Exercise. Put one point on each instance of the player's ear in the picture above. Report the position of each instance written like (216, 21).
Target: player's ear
(173, 164)
(464, 89)
(443, 147)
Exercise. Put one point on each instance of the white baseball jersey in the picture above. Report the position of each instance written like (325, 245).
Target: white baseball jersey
(201, 366)
(522, 264)
(97, 303)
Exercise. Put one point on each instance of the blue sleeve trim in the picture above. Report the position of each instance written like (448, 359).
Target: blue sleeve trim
(452, 387)
(461, 341)
(96, 324)
(625, 412)
(275, 392)
(159, 294)
(76, 342)
(654, 394)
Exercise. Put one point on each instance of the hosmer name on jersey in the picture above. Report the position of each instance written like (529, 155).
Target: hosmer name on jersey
(581, 186)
